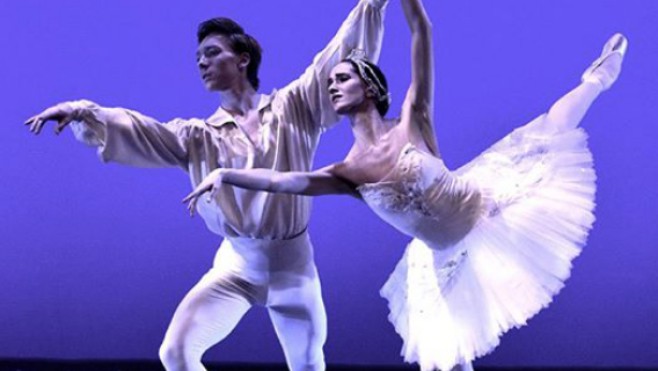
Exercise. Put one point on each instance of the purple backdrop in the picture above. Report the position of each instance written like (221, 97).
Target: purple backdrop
(95, 258)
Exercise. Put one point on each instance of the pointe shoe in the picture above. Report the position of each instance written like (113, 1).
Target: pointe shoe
(599, 74)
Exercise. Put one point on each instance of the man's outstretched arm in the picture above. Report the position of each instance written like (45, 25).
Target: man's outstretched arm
(121, 135)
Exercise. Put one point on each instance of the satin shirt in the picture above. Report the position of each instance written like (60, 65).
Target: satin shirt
(291, 121)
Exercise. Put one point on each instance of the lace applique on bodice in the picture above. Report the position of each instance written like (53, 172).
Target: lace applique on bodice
(422, 199)
(403, 194)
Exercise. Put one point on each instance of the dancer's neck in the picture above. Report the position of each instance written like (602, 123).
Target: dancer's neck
(238, 100)
(368, 127)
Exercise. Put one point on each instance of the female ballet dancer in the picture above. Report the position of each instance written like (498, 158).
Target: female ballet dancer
(493, 240)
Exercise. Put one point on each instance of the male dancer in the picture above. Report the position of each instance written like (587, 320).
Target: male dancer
(266, 257)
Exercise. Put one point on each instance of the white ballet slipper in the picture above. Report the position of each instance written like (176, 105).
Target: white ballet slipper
(605, 77)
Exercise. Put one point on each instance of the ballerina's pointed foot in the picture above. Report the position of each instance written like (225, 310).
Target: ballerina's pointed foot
(606, 68)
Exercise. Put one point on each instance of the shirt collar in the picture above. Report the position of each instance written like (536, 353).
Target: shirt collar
(221, 117)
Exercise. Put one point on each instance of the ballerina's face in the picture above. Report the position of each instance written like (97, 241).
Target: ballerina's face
(346, 89)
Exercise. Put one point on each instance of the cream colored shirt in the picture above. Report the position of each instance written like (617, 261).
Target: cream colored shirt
(292, 120)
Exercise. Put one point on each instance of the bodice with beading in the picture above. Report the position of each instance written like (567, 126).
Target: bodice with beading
(423, 199)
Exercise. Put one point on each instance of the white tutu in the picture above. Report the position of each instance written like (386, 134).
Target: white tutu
(538, 185)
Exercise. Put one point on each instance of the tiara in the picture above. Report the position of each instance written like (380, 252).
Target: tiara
(367, 74)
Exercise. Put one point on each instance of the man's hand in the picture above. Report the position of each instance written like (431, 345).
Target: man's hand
(210, 183)
(63, 113)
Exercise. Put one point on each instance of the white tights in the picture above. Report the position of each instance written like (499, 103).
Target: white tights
(571, 108)
(279, 275)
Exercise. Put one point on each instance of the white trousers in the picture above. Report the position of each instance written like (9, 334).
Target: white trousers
(279, 275)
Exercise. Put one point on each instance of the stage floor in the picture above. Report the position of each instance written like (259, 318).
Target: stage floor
(68, 365)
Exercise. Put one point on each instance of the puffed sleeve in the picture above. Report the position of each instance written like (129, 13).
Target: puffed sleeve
(130, 138)
(308, 95)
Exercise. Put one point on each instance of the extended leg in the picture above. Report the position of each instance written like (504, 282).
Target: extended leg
(571, 108)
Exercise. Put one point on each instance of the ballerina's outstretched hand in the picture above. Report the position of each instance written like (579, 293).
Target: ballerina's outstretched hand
(210, 183)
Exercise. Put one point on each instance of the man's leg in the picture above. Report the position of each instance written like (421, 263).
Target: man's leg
(297, 312)
(207, 314)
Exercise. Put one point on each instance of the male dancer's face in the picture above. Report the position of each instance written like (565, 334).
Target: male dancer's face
(220, 68)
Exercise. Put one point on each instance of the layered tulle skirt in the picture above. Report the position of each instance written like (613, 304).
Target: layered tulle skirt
(538, 186)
